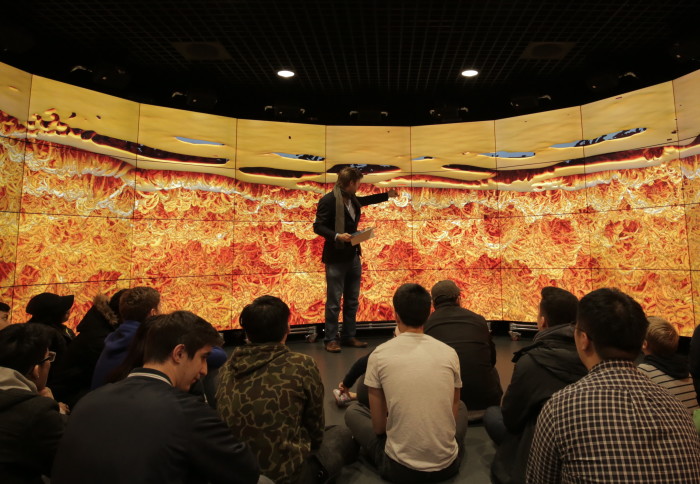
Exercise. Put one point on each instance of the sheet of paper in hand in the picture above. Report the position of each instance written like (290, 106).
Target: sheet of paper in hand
(361, 236)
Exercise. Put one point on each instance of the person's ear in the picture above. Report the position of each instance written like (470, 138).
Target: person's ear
(645, 345)
(584, 343)
(179, 353)
(33, 374)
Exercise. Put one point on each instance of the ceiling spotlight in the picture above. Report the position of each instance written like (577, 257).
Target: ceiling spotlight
(470, 73)
(285, 73)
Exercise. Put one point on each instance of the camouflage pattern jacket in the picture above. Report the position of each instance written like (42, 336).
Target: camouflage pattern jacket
(272, 399)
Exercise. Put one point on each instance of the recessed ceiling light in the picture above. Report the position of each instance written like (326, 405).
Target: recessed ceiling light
(285, 73)
(470, 73)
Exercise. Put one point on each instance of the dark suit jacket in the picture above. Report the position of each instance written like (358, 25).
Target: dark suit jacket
(324, 225)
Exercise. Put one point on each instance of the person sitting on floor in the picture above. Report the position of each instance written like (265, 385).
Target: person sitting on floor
(31, 423)
(546, 366)
(273, 399)
(147, 428)
(412, 436)
(614, 424)
(662, 365)
(468, 334)
(82, 354)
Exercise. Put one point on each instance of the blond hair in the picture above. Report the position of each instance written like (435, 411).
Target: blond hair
(662, 337)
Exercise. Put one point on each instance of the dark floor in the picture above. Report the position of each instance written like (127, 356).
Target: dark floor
(480, 450)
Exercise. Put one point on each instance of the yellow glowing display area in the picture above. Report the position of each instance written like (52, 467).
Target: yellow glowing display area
(98, 193)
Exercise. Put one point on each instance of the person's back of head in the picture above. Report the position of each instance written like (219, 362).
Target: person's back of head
(137, 303)
(412, 304)
(266, 320)
(23, 347)
(114, 305)
(445, 292)
(614, 322)
(557, 306)
(661, 338)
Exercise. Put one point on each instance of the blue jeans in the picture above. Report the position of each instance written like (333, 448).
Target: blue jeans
(342, 279)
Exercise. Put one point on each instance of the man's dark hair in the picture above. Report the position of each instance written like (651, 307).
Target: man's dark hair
(4, 307)
(412, 304)
(347, 175)
(265, 320)
(135, 355)
(23, 346)
(179, 327)
(614, 322)
(136, 303)
(558, 306)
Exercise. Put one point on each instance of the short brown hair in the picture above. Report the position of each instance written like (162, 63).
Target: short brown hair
(662, 337)
(136, 303)
(347, 175)
(180, 327)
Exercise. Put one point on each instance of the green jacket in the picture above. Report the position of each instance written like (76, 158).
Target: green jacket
(272, 399)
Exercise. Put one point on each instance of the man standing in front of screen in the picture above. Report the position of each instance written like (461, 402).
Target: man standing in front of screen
(337, 218)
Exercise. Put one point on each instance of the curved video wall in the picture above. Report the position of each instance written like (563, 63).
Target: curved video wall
(99, 193)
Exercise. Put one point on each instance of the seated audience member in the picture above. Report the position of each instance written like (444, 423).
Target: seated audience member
(30, 421)
(4, 315)
(662, 365)
(614, 424)
(694, 360)
(273, 399)
(541, 369)
(135, 305)
(415, 426)
(52, 311)
(82, 355)
(468, 334)
(147, 428)
(343, 395)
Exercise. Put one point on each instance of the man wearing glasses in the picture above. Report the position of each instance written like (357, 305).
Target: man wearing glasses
(614, 424)
(30, 419)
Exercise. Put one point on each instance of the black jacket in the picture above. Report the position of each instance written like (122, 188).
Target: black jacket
(30, 429)
(141, 429)
(74, 377)
(324, 225)
(541, 369)
(468, 334)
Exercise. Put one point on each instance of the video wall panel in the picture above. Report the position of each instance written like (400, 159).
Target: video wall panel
(12, 153)
(521, 288)
(104, 193)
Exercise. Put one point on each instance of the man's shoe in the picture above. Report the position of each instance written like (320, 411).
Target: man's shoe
(333, 347)
(354, 343)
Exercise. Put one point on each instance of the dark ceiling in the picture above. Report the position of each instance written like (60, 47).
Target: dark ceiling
(402, 57)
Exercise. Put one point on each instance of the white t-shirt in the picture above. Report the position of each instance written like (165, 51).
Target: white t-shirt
(419, 375)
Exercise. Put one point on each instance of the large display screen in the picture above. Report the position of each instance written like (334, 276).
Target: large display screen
(98, 193)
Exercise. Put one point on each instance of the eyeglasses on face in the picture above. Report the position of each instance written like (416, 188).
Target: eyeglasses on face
(50, 358)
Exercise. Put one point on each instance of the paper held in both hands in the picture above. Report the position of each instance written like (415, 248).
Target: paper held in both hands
(361, 236)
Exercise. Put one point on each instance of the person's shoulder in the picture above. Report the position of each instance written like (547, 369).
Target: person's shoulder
(301, 361)
(327, 197)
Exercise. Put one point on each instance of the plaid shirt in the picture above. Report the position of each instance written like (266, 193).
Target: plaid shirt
(614, 426)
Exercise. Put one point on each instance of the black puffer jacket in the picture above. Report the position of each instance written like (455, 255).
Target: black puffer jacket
(541, 369)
